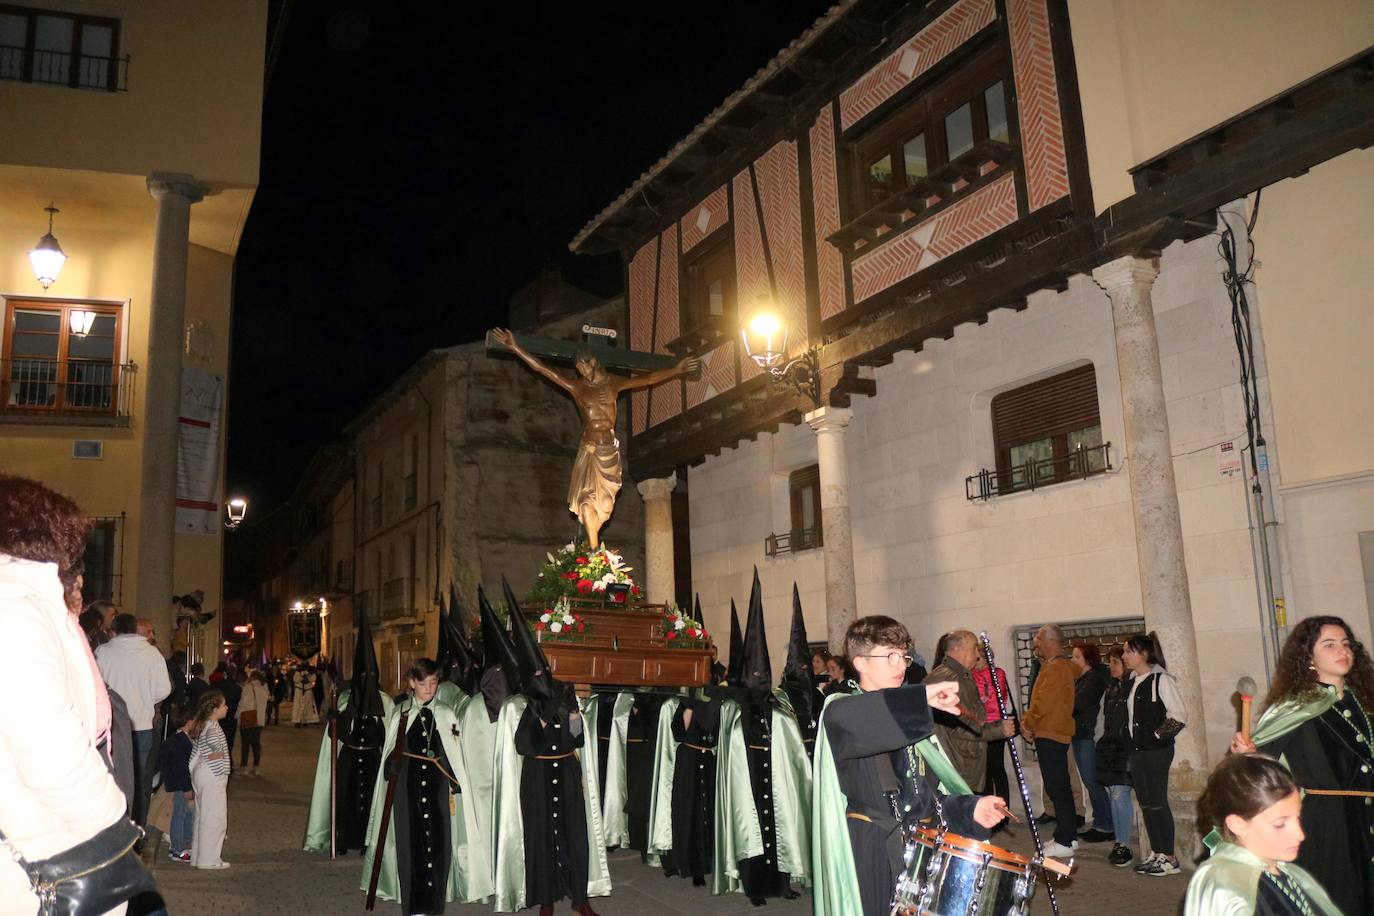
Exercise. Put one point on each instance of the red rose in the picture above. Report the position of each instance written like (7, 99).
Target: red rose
(581, 561)
(584, 586)
(581, 627)
(618, 597)
(539, 624)
(634, 590)
(672, 634)
(572, 574)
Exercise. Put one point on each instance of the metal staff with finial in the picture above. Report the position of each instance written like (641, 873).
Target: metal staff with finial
(1005, 708)
(1246, 687)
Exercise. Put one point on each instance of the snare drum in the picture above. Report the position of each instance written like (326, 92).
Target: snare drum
(952, 875)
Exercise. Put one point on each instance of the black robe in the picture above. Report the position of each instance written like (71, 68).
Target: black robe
(694, 789)
(421, 809)
(360, 759)
(1324, 753)
(605, 719)
(640, 736)
(759, 874)
(860, 730)
(552, 810)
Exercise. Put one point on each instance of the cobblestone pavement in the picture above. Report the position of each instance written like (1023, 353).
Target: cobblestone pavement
(270, 874)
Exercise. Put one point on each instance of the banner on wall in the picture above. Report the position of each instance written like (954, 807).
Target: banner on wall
(198, 450)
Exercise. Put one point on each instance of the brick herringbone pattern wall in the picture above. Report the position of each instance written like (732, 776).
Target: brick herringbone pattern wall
(705, 218)
(938, 237)
(642, 267)
(826, 209)
(956, 26)
(1042, 129)
(665, 401)
(717, 375)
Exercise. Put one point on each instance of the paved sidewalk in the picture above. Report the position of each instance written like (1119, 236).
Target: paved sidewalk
(270, 875)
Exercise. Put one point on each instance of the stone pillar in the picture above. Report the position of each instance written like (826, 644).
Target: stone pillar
(162, 399)
(841, 598)
(660, 576)
(1158, 529)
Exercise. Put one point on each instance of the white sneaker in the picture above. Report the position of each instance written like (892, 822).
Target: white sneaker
(1146, 863)
(1060, 851)
(217, 865)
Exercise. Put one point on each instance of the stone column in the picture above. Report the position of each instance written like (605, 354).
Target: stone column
(162, 399)
(841, 599)
(660, 576)
(1158, 529)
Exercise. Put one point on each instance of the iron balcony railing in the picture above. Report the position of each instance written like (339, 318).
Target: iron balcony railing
(396, 599)
(792, 541)
(66, 388)
(61, 68)
(1079, 464)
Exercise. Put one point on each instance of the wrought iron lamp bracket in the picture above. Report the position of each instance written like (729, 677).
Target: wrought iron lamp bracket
(802, 374)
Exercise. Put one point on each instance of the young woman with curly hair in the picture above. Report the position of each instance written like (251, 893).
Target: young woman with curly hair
(1319, 720)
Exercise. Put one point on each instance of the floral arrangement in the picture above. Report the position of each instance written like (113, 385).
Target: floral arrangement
(560, 624)
(579, 571)
(680, 631)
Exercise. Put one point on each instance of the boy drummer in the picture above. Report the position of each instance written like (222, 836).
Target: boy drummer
(876, 770)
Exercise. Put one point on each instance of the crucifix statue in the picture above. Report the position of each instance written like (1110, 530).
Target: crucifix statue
(596, 476)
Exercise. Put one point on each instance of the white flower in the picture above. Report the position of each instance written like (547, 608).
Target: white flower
(679, 624)
(608, 579)
(550, 556)
(555, 626)
(544, 618)
(600, 585)
(568, 619)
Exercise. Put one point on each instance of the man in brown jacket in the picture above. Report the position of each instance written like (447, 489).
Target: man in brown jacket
(1049, 723)
(964, 737)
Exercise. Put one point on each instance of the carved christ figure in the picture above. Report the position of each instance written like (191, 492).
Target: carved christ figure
(596, 476)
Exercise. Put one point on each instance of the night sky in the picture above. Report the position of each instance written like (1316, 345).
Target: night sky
(418, 170)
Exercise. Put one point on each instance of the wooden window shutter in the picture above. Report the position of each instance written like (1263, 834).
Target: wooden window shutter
(1049, 407)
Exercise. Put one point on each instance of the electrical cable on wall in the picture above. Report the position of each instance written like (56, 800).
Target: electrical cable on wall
(1235, 281)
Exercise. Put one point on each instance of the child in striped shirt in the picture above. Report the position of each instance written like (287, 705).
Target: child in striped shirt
(210, 777)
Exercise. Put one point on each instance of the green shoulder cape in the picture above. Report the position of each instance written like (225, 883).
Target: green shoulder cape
(317, 822)
(509, 828)
(1227, 884)
(614, 822)
(1282, 718)
(661, 798)
(737, 832)
(469, 876)
(835, 886)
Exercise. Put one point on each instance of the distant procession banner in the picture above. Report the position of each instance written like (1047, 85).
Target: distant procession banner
(198, 448)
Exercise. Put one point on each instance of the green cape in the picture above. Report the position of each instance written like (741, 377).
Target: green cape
(508, 836)
(737, 832)
(613, 820)
(470, 872)
(835, 885)
(661, 800)
(317, 821)
(1227, 884)
(478, 746)
(1282, 718)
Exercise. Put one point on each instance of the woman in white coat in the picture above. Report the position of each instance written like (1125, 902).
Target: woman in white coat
(55, 788)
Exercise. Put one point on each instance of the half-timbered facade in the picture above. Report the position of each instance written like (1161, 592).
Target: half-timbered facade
(1000, 226)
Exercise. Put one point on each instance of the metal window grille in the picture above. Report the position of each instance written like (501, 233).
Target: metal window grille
(103, 576)
(1102, 633)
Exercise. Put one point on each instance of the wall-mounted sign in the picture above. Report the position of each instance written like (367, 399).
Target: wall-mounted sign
(1228, 461)
(599, 332)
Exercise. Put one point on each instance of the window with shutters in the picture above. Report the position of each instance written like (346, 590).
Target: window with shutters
(1045, 433)
(804, 499)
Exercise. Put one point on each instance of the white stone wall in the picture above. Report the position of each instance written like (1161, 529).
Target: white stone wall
(926, 555)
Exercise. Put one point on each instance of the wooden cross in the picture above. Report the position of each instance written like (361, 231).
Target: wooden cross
(598, 342)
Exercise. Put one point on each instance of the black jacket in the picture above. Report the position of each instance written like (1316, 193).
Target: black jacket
(1114, 747)
(1087, 701)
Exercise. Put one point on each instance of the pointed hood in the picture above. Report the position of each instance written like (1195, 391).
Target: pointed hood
(736, 667)
(497, 645)
(454, 656)
(461, 619)
(553, 699)
(757, 672)
(365, 685)
(796, 677)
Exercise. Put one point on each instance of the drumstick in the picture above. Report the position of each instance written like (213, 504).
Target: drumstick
(1246, 688)
(1004, 707)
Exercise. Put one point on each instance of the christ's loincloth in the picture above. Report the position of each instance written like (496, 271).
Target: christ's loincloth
(595, 477)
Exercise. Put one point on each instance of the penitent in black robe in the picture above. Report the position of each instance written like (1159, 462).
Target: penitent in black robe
(552, 809)
(694, 789)
(641, 735)
(759, 874)
(860, 730)
(1327, 753)
(423, 844)
(360, 759)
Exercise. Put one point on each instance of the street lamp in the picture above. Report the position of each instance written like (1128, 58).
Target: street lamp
(47, 256)
(765, 336)
(236, 509)
(80, 321)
